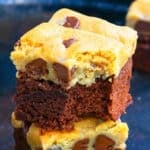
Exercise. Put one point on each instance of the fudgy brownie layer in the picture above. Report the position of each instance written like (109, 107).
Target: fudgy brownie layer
(101, 143)
(141, 59)
(50, 106)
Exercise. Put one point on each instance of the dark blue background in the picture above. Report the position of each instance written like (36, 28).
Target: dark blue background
(18, 16)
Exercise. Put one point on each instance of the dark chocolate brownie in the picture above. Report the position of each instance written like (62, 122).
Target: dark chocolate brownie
(50, 106)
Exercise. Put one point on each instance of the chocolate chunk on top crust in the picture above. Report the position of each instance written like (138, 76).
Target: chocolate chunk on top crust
(104, 143)
(62, 72)
(36, 68)
(81, 145)
(68, 42)
(143, 26)
(71, 22)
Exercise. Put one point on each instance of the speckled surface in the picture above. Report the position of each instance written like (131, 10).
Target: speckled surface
(15, 20)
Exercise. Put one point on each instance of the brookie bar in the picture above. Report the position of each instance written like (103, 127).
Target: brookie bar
(138, 17)
(65, 75)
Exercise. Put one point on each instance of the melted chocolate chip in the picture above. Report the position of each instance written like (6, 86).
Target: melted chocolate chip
(62, 72)
(81, 145)
(71, 22)
(36, 68)
(143, 26)
(104, 143)
(68, 42)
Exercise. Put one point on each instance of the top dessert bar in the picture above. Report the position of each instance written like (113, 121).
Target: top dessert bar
(73, 56)
(65, 74)
(139, 10)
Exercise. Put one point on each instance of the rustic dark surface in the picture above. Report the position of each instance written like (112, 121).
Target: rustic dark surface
(15, 20)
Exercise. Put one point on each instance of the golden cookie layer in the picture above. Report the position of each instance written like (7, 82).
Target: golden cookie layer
(123, 34)
(76, 56)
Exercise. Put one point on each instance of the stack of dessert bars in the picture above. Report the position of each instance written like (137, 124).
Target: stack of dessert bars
(73, 81)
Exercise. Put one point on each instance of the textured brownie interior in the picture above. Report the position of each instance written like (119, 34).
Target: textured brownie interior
(101, 142)
(141, 58)
(50, 106)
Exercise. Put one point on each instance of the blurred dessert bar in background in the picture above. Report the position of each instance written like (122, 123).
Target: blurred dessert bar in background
(138, 17)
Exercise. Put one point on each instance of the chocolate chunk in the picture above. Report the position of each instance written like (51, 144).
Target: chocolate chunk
(81, 145)
(68, 42)
(104, 143)
(143, 26)
(36, 68)
(72, 22)
(62, 72)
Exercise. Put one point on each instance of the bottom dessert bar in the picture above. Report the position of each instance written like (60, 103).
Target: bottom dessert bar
(88, 134)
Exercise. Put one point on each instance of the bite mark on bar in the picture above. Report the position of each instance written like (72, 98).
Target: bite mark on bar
(72, 22)
(68, 42)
